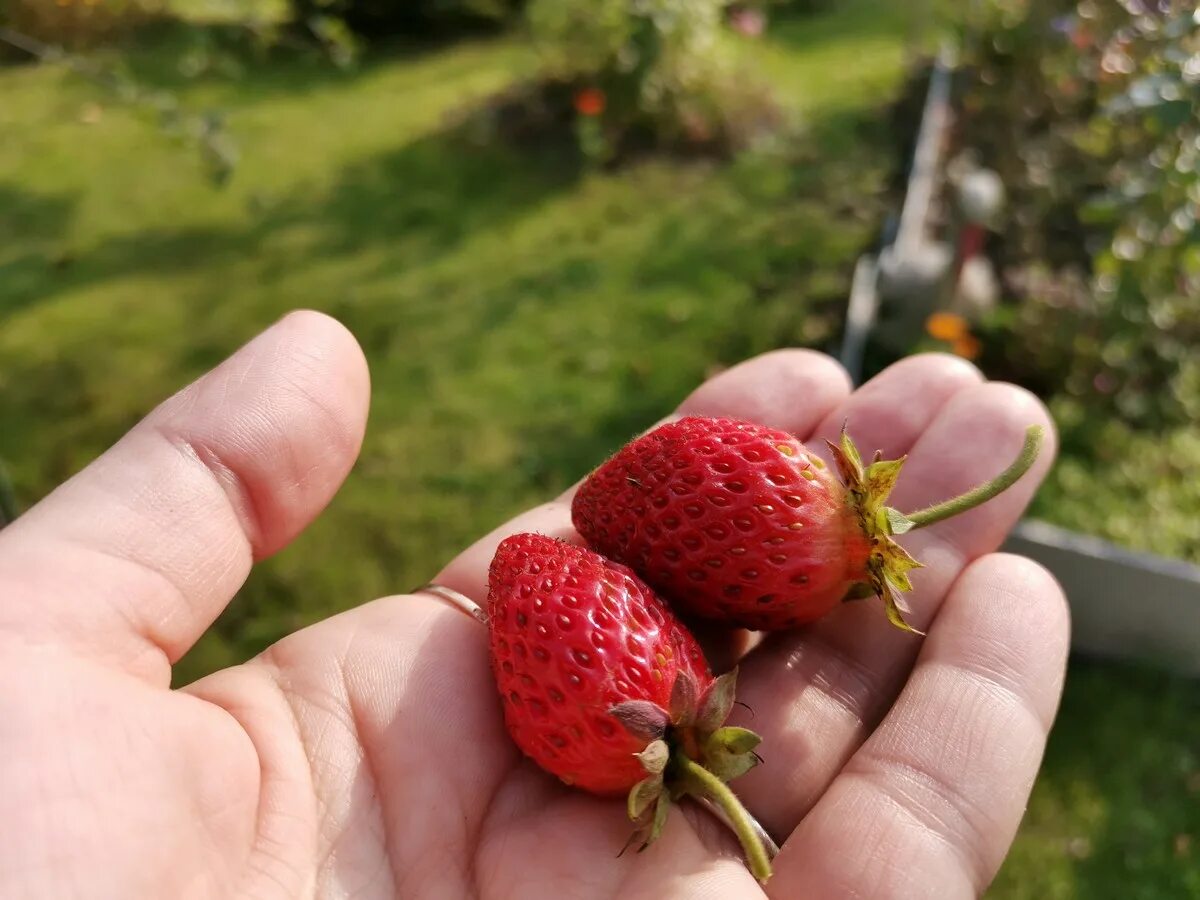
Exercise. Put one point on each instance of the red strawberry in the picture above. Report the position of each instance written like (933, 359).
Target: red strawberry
(573, 636)
(604, 687)
(742, 523)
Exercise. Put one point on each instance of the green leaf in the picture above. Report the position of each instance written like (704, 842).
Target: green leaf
(881, 478)
(897, 522)
(895, 614)
(717, 702)
(728, 766)
(895, 558)
(655, 757)
(641, 795)
(683, 699)
(661, 808)
(849, 463)
(860, 591)
(734, 740)
(851, 451)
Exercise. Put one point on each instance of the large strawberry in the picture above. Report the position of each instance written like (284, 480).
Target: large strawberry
(605, 688)
(742, 523)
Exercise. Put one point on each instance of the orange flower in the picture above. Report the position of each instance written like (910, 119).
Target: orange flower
(590, 101)
(967, 347)
(944, 326)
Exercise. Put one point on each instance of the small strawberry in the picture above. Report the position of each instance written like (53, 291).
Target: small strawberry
(605, 688)
(742, 523)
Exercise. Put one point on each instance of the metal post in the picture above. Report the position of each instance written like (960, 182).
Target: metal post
(922, 181)
(860, 315)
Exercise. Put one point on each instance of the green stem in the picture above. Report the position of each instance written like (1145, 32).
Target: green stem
(715, 788)
(1034, 436)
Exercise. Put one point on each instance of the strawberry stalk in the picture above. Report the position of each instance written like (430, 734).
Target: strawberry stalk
(692, 752)
(867, 490)
(704, 783)
(1034, 438)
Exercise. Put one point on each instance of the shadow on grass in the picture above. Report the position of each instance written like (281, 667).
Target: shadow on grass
(436, 192)
(789, 273)
(802, 32)
(173, 56)
(416, 201)
(28, 218)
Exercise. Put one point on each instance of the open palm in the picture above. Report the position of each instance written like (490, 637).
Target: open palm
(366, 756)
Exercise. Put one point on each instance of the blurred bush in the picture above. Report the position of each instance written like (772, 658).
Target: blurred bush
(76, 23)
(1137, 488)
(1090, 111)
(650, 72)
(800, 6)
(381, 18)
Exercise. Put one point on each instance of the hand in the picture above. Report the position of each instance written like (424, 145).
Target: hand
(366, 756)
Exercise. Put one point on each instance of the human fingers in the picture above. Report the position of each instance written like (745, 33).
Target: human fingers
(132, 559)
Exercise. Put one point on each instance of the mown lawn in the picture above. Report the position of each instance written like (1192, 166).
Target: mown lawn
(1116, 810)
(521, 317)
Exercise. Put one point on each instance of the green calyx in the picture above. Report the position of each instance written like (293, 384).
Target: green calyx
(868, 487)
(691, 751)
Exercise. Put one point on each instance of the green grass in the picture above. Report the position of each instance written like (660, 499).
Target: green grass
(1135, 488)
(1116, 811)
(521, 318)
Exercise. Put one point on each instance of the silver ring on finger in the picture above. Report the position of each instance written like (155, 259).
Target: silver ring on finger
(459, 601)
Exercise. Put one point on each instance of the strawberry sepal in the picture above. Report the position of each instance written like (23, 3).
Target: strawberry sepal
(691, 737)
(867, 490)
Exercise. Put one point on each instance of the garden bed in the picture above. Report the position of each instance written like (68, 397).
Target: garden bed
(1116, 811)
(1089, 117)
